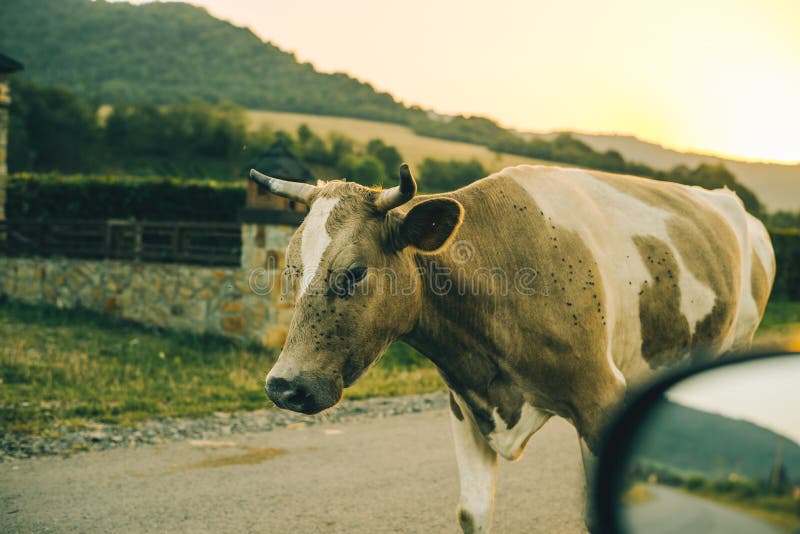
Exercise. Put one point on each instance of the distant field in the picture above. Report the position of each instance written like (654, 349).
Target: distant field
(413, 147)
(776, 185)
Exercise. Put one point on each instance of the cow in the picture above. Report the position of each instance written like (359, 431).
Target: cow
(536, 291)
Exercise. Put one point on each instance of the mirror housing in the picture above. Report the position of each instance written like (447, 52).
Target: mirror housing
(631, 424)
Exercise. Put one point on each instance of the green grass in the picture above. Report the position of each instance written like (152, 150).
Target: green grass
(780, 315)
(63, 368)
(780, 328)
(69, 368)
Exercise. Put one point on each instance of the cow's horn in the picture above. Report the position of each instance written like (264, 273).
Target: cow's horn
(391, 198)
(284, 188)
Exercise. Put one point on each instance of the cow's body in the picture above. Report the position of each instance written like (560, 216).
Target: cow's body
(631, 276)
(562, 287)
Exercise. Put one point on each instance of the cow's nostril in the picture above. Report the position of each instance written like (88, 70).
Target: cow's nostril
(277, 389)
(289, 394)
(297, 397)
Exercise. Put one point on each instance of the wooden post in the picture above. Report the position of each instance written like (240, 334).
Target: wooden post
(42, 238)
(107, 243)
(137, 241)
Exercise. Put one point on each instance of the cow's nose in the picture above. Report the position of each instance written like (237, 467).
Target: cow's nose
(290, 395)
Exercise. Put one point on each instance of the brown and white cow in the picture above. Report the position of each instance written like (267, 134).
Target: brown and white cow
(536, 291)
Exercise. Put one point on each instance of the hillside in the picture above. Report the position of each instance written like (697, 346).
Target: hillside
(777, 185)
(166, 52)
(161, 52)
(698, 441)
(414, 147)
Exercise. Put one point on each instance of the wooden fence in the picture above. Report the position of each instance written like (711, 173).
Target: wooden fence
(168, 242)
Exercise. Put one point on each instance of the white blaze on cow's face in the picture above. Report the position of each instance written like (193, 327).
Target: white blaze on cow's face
(315, 240)
(357, 287)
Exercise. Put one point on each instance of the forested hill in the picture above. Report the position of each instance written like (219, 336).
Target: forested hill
(158, 53)
(693, 440)
(162, 52)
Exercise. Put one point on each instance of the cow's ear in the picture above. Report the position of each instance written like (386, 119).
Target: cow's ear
(429, 225)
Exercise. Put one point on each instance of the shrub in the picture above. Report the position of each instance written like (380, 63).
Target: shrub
(787, 259)
(695, 483)
(440, 175)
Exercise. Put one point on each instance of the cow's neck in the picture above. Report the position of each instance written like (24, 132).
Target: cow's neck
(455, 331)
(542, 345)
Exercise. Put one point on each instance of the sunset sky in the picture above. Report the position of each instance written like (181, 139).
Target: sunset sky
(718, 76)
(763, 392)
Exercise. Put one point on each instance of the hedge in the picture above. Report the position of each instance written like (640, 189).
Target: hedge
(786, 243)
(55, 196)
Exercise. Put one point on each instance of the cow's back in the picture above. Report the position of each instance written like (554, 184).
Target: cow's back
(685, 271)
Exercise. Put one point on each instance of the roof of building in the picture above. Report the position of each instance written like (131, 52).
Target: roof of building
(8, 65)
(278, 161)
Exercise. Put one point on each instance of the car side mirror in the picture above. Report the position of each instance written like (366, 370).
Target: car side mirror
(710, 449)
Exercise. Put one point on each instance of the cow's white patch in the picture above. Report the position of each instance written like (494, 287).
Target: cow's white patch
(510, 442)
(608, 222)
(761, 244)
(477, 468)
(748, 318)
(315, 240)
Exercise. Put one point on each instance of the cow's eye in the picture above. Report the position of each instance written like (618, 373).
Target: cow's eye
(344, 282)
(357, 273)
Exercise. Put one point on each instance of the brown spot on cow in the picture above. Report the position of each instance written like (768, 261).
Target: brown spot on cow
(710, 251)
(760, 285)
(707, 245)
(665, 331)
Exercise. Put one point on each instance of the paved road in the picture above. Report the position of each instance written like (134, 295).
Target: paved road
(672, 512)
(396, 474)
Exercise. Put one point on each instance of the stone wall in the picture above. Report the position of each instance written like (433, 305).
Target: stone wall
(246, 302)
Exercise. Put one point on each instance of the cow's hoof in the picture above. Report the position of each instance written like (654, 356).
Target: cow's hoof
(467, 522)
(470, 524)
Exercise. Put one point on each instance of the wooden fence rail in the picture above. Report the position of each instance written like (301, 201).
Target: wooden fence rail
(166, 242)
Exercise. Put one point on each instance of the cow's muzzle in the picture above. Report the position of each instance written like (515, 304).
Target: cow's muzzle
(303, 393)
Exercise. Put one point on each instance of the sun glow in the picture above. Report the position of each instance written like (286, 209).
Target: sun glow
(718, 76)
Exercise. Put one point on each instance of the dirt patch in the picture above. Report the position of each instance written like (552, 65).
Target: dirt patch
(250, 455)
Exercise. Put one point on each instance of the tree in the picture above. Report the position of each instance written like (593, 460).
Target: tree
(441, 175)
(50, 129)
(388, 155)
(365, 170)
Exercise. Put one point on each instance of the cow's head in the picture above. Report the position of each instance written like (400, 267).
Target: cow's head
(356, 283)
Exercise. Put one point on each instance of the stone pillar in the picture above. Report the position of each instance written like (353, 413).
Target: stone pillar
(267, 302)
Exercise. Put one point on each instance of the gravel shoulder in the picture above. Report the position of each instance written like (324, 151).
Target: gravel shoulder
(65, 442)
(361, 470)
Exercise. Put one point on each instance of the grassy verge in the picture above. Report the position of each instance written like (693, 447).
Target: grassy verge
(780, 327)
(68, 368)
(638, 493)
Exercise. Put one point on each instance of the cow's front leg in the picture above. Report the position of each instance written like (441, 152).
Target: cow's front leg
(477, 468)
(589, 467)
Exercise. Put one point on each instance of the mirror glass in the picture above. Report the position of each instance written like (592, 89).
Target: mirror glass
(719, 452)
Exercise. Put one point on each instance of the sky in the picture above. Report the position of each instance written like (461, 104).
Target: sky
(764, 392)
(717, 76)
